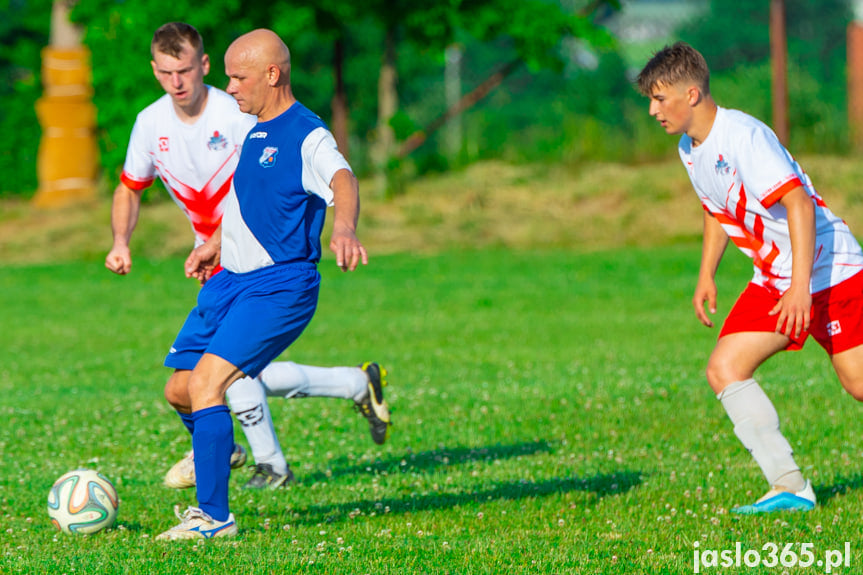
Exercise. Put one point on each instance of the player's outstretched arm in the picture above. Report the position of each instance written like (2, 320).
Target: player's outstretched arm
(204, 259)
(344, 243)
(125, 208)
(714, 244)
(794, 306)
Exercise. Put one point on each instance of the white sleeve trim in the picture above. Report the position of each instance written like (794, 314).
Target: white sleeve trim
(321, 161)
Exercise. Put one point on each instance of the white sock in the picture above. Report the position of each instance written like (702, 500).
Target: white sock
(288, 379)
(756, 424)
(249, 403)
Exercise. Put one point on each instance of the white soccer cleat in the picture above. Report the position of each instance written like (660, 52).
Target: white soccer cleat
(778, 499)
(182, 474)
(196, 524)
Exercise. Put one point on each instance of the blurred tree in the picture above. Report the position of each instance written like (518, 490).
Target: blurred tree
(730, 36)
(733, 37)
(320, 33)
(536, 29)
(24, 30)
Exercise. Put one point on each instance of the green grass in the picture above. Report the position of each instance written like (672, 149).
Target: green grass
(550, 410)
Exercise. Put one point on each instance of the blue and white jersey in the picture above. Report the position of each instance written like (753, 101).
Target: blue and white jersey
(275, 212)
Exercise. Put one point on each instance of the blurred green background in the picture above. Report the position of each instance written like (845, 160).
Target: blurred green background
(569, 99)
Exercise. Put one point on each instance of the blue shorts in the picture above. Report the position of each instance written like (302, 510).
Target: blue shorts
(248, 319)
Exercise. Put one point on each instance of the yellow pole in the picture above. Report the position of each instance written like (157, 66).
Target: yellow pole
(68, 157)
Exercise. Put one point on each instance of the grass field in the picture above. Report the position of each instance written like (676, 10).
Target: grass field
(550, 410)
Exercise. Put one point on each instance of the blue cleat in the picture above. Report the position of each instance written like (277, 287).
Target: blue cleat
(779, 500)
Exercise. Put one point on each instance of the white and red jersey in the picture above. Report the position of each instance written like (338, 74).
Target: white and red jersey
(740, 172)
(196, 162)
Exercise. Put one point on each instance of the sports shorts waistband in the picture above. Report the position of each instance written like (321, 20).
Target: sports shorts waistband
(271, 269)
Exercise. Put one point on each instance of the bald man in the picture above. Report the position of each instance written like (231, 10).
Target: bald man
(190, 138)
(269, 245)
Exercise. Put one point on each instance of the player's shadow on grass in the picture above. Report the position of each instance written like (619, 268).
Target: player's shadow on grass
(602, 485)
(825, 493)
(427, 460)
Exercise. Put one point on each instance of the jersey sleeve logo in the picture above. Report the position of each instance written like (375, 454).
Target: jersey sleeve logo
(268, 157)
(217, 142)
(722, 167)
(163, 144)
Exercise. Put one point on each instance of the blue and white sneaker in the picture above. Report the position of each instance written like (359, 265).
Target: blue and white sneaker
(779, 500)
(196, 524)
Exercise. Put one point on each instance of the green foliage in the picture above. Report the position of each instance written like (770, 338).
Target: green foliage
(23, 32)
(535, 27)
(119, 34)
(736, 44)
(817, 126)
(556, 108)
(815, 31)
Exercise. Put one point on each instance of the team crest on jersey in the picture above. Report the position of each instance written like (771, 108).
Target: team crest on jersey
(217, 142)
(163, 144)
(833, 328)
(722, 167)
(268, 157)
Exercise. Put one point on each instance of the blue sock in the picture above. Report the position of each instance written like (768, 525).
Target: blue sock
(188, 421)
(213, 443)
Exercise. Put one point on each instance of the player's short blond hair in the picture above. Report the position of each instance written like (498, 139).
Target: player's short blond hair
(170, 39)
(672, 65)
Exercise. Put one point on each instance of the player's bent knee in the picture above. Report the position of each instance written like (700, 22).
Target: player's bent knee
(718, 376)
(176, 391)
(723, 370)
(854, 387)
(173, 398)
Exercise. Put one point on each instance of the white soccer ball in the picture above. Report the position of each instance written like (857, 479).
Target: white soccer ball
(82, 501)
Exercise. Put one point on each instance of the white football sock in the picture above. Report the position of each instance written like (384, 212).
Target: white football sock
(756, 424)
(288, 379)
(249, 403)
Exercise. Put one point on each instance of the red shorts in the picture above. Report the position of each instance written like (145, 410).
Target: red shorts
(837, 315)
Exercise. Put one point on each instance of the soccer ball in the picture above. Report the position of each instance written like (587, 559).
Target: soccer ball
(82, 501)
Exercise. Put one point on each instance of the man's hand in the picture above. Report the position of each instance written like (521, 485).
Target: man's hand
(794, 310)
(119, 260)
(344, 243)
(124, 216)
(348, 249)
(202, 262)
(795, 305)
(705, 291)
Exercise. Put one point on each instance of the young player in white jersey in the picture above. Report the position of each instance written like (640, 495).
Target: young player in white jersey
(807, 264)
(191, 138)
(289, 172)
